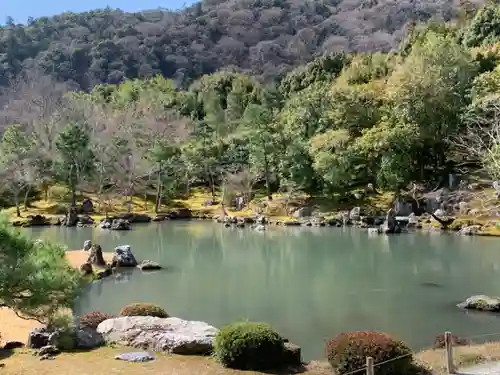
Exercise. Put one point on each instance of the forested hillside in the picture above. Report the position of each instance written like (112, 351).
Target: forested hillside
(340, 122)
(263, 38)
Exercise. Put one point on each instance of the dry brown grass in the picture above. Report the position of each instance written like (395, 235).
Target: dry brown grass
(102, 362)
(464, 356)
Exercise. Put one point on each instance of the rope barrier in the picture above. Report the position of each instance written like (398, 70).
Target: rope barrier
(364, 368)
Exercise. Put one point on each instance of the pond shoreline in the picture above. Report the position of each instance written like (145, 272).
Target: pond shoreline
(468, 226)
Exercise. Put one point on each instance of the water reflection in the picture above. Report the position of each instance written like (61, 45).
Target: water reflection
(310, 283)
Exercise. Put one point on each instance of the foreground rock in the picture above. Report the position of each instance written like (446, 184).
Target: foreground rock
(123, 257)
(172, 335)
(88, 338)
(83, 337)
(481, 303)
(135, 357)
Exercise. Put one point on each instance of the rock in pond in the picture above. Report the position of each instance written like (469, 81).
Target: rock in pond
(135, 357)
(115, 224)
(149, 265)
(481, 303)
(123, 257)
(120, 224)
(172, 335)
(87, 245)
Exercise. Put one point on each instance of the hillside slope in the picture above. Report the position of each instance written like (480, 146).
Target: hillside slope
(261, 37)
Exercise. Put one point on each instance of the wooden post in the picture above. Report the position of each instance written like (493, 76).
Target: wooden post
(370, 368)
(449, 353)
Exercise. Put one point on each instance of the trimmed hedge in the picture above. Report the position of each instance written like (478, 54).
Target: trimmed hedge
(249, 346)
(143, 309)
(348, 351)
(93, 319)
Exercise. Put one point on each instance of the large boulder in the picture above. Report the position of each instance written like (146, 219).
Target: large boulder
(37, 221)
(87, 206)
(88, 338)
(38, 338)
(87, 245)
(355, 214)
(172, 335)
(120, 224)
(303, 212)
(123, 257)
(481, 303)
(115, 224)
(95, 256)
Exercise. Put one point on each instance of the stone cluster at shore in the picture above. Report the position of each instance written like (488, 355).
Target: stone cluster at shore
(168, 335)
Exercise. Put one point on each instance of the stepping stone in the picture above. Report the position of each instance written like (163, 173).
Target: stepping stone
(135, 357)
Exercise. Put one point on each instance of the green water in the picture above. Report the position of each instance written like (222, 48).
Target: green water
(309, 283)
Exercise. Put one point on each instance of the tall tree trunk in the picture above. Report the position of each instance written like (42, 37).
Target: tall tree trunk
(211, 182)
(266, 171)
(73, 195)
(158, 190)
(46, 191)
(18, 210)
(26, 196)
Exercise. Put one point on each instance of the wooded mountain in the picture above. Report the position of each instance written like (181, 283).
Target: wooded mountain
(260, 37)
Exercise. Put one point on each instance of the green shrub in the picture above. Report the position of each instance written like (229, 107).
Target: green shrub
(63, 323)
(249, 346)
(143, 309)
(348, 351)
(93, 319)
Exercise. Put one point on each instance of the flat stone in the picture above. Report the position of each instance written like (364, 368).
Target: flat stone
(135, 357)
(48, 350)
(172, 335)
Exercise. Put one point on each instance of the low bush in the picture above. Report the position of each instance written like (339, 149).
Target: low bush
(348, 351)
(63, 324)
(93, 319)
(249, 346)
(143, 309)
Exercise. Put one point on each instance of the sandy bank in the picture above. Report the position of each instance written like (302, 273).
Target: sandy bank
(13, 328)
(77, 257)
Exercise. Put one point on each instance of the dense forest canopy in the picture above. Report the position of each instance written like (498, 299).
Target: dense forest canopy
(265, 38)
(407, 117)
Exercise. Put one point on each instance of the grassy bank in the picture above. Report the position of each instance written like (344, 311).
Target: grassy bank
(101, 362)
(59, 199)
(482, 206)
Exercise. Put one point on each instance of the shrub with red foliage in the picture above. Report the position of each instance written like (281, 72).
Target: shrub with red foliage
(348, 351)
(93, 319)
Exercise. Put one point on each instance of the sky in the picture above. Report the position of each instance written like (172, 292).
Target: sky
(20, 10)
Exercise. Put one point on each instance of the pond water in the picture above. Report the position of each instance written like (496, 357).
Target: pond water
(308, 283)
